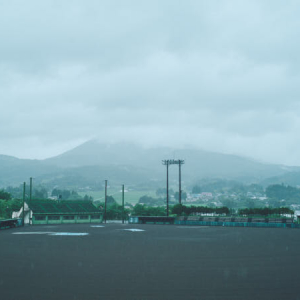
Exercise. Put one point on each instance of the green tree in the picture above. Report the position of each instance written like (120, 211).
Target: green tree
(65, 194)
(196, 189)
(250, 203)
(2, 209)
(88, 198)
(180, 209)
(280, 192)
(161, 192)
(275, 203)
(177, 209)
(40, 193)
(255, 188)
(229, 203)
(183, 196)
(5, 195)
(144, 210)
(146, 200)
(139, 210)
(156, 211)
(151, 201)
(16, 192)
(265, 211)
(8, 206)
(110, 200)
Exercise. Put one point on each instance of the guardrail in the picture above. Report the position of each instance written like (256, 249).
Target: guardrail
(10, 223)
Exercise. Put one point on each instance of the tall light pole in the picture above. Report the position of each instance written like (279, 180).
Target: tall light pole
(105, 201)
(179, 195)
(123, 204)
(24, 187)
(30, 190)
(167, 163)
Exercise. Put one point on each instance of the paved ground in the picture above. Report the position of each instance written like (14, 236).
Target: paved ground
(161, 262)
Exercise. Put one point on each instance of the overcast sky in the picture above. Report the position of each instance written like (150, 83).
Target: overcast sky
(217, 75)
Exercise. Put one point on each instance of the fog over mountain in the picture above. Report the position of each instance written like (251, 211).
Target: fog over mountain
(197, 162)
(217, 75)
(92, 162)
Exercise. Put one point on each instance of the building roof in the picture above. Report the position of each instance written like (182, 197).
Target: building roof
(62, 207)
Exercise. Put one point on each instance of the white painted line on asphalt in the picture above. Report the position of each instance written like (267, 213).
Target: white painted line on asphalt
(97, 226)
(133, 230)
(53, 233)
(69, 233)
(33, 232)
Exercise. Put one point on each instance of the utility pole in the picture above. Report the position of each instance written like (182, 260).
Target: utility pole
(123, 204)
(30, 190)
(105, 201)
(24, 187)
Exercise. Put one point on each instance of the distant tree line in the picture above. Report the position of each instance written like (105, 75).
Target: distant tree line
(144, 210)
(150, 201)
(265, 211)
(4, 195)
(161, 200)
(114, 212)
(222, 185)
(180, 210)
(8, 205)
(281, 192)
(65, 194)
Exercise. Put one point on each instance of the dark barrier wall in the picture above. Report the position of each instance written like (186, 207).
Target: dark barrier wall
(10, 223)
(238, 224)
(151, 220)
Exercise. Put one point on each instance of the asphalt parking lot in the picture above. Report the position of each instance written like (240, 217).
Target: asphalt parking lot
(137, 262)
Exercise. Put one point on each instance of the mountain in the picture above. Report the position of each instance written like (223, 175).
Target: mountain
(92, 162)
(198, 163)
(148, 162)
(15, 171)
(290, 178)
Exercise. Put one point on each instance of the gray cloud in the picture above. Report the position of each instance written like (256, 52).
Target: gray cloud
(218, 75)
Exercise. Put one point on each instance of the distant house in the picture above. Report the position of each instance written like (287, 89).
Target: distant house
(59, 212)
(206, 195)
(297, 216)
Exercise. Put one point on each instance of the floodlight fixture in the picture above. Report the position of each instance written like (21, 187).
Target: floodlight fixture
(168, 162)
